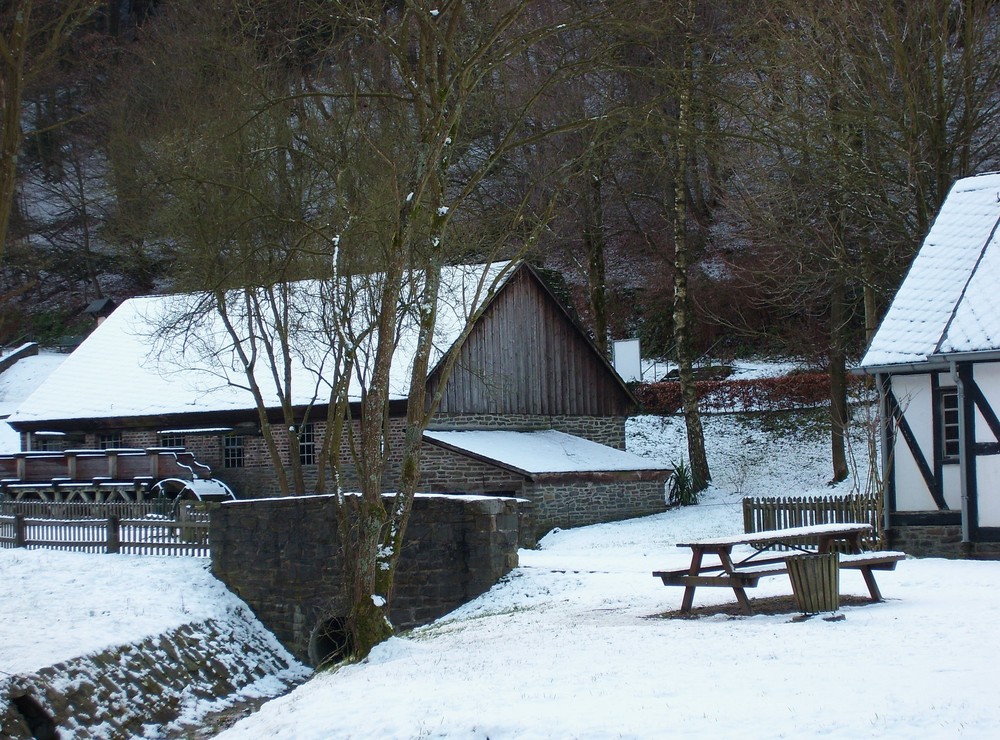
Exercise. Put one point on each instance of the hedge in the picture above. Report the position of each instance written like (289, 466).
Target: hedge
(796, 391)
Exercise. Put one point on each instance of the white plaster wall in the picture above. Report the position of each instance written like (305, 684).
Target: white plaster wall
(951, 484)
(988, 485)
(988, 466)
(913, 392)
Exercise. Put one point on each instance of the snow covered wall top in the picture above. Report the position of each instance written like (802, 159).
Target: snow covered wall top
(946, 302)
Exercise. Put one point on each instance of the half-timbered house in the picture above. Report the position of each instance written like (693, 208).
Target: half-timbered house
(936, 358)
(526, 366)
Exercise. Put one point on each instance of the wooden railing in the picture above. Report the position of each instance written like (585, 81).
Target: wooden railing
(112, 535)
(764, 514)
(124, 464)
(87, 509)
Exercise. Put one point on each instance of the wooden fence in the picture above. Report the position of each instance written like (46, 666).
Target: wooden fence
(111, 535)
(87, 509)
(765, 514)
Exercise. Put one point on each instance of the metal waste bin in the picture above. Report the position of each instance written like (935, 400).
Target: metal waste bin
(815, 582)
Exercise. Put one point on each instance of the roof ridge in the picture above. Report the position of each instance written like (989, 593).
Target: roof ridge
(965, 287)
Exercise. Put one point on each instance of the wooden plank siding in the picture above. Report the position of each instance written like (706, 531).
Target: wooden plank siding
(527, 356)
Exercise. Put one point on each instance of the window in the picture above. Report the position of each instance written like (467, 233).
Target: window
(949, 424)
(307, 444)
(109, 440)
(232, 451)
(49, 442)
(171, 440)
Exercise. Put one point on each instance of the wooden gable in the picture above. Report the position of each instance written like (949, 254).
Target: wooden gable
(526, 355)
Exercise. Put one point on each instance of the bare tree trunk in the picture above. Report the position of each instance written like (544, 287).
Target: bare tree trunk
(593, 237)
(372, 568)
(700, 475)
(12, 62)
(838, 378)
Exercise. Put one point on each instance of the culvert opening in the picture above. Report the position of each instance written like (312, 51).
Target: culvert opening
(330, 642)
(40, 724)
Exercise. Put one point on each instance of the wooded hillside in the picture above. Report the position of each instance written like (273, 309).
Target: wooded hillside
(799, 149)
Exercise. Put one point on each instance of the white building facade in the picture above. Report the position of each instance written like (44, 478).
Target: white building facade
(936, 358)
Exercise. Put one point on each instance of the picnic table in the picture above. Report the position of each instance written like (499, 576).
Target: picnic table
(764, 561)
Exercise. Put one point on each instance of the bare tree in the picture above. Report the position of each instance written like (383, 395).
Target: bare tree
(31, 35)
(862, 118)
(672, 51)
(364, 162)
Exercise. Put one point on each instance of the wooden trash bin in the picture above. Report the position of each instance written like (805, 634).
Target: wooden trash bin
(815, 582)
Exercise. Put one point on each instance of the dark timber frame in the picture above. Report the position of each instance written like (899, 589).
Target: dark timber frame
(971, 399)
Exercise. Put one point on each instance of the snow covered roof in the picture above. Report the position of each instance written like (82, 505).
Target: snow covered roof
(947, 301)
(541, 452)
(138, 363)
(16, 384)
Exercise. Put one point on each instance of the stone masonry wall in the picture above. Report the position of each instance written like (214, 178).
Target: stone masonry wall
(442, 470)
(605, 430)
(281, 557)
(258, 480)
(129, 691)
(940, 542)
(566, 504)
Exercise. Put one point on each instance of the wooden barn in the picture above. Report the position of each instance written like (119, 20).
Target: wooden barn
(526, 367)
(936, 358)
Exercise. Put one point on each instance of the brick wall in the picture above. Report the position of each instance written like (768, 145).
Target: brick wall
(280, 557)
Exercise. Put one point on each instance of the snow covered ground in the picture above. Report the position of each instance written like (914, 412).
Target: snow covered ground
(569, 645)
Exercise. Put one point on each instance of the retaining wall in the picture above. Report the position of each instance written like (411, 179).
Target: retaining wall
(280, 556)
(163, 682)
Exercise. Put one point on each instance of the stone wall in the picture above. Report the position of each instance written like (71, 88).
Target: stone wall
(281, 557)
(575, 503)
(132, 690)
(443, 470)
(605, 430)
(940, 542)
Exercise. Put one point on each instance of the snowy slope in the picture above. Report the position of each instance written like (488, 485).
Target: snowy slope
(568, 645)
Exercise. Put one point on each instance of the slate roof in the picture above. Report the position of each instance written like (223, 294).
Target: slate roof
(948, 300)
(132, 366)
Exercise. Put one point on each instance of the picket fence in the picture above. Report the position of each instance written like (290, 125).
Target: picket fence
(763, 514)
(148, 536)
(87, 509)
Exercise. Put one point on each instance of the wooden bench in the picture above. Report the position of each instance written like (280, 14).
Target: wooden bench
(866, 562)
(746, 577)
(743, 574)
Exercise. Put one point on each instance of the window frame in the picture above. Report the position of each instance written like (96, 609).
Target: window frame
(949, 425)
(168, 440)
(109, 440)
(233, 451)
(307, 444)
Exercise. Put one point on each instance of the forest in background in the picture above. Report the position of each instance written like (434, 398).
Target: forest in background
(798, 149)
